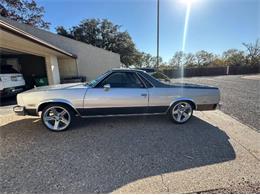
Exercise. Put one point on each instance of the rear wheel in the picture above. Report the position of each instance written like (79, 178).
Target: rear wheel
(181, 112)
(57, 117)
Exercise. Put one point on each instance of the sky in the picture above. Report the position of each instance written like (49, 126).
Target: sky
(214, 25)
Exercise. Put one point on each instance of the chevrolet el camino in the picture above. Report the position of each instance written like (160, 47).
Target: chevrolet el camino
(118, 92)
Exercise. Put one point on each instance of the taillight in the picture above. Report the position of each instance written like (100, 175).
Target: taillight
(4, 78)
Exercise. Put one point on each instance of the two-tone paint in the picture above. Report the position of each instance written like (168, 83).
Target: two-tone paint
(92, 101)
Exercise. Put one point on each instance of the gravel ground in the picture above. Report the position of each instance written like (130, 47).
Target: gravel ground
(100, 155)
(240, 96)
(242, 188)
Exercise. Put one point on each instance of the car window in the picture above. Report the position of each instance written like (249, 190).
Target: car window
(122, 80)
(147, 83)
(98, 79)
(160, 76)
(6, 69)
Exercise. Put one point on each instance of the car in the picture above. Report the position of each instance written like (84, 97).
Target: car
(117, 92)
(11, 81)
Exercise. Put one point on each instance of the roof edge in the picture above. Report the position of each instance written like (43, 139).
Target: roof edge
(26, 35)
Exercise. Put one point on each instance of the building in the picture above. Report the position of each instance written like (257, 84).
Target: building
(38, 53)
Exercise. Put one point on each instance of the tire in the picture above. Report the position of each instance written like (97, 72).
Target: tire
(181, 112)
(57, 117)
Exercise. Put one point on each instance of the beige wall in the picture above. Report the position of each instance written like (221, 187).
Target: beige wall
(67, 67)
(93, 62)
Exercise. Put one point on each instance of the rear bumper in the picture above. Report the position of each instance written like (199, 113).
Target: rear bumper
(207, 107)
(22, 111)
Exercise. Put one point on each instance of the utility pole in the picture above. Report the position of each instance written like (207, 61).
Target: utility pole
(158, 31)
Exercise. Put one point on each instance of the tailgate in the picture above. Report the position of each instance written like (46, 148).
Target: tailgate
(11, 80)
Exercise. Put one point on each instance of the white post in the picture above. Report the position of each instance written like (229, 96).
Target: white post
(227, 71)
(53, 72)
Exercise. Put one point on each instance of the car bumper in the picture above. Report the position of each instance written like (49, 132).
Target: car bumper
(19, 110)
(22, 111)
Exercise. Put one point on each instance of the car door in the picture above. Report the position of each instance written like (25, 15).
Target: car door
(118, 93)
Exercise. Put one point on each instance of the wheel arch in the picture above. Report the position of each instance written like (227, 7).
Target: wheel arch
(193, 104)
(43, 104)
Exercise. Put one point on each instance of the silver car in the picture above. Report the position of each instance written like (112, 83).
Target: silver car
(117, 92)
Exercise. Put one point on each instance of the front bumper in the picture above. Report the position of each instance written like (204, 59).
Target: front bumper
(19, 110)
(22, 111)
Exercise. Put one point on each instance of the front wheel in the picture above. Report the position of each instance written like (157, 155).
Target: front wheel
(181, 112)
(56, 117)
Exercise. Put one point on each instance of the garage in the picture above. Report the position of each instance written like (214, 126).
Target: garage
(45, 58)
(32, 67)
(38, 62)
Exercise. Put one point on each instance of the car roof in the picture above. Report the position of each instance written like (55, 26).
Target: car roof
(148, 70)
(126, 70)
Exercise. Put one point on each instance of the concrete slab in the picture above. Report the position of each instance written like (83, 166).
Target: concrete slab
(253, 77)
(128, 155)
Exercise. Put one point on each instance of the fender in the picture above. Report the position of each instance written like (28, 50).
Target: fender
(56, 101)
(182, 99)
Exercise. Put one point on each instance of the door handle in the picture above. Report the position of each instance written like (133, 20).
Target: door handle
(144, 94)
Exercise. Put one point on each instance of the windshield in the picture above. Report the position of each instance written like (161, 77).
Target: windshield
(94, 82)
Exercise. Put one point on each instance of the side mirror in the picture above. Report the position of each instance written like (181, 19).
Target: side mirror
(107, 87)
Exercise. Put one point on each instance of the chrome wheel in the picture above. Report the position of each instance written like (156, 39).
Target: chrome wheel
(56, 118)
(181, 112)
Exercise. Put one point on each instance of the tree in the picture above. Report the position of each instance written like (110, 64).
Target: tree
(104, 34)
(189, 60)
(218, 62)
(204, 58)
(154, 61)
(25, 11)
(62, 31)
(253, 49)
(146, 60)
(233, 57)
(177, 59)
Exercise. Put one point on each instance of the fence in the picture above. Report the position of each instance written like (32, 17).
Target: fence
(212, 71)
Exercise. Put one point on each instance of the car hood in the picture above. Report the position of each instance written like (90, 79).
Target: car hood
(57, 87)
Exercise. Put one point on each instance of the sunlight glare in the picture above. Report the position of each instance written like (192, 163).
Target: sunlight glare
(188, 2)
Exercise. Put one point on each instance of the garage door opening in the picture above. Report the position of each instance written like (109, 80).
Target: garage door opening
(32, 67)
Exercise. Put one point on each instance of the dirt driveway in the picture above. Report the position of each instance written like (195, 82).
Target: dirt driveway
(129, 155)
